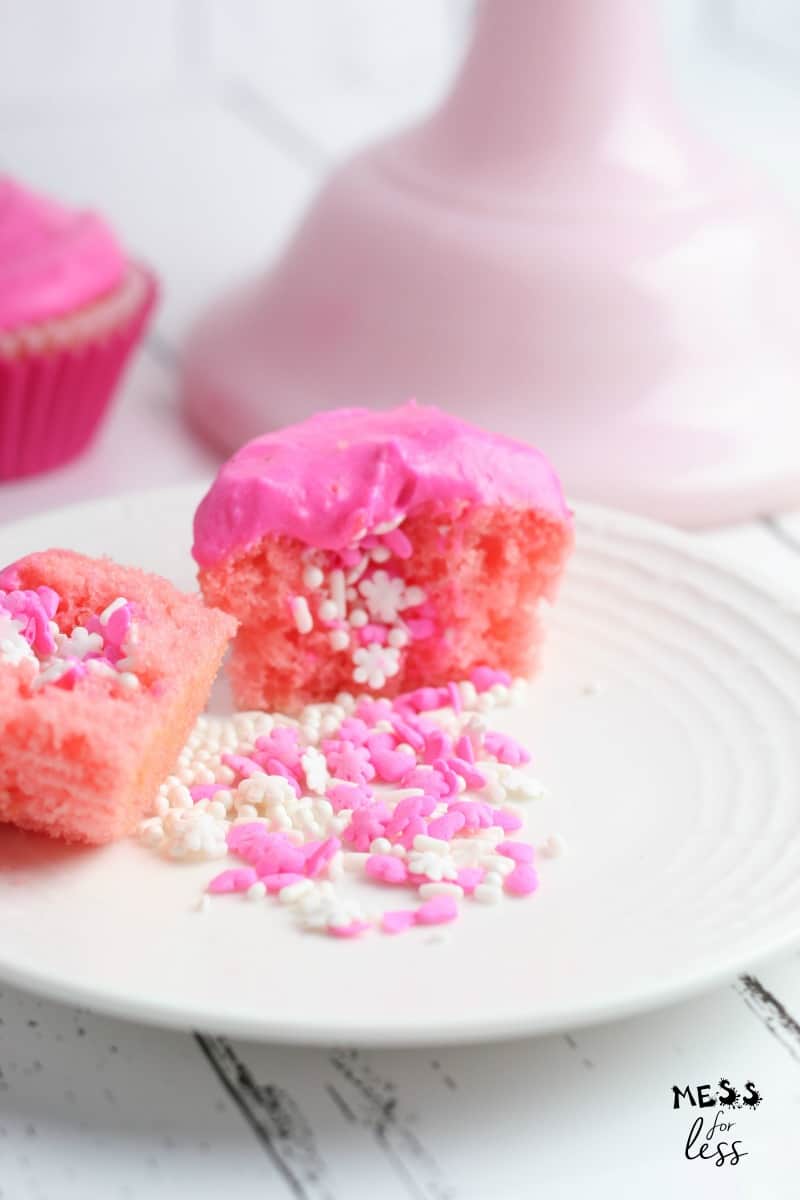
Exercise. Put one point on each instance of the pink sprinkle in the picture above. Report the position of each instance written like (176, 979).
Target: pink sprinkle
(398, 920)
(282, 744)
(237, 880)
(522, 881)
(415, 825)
(407, 730)
(438, 745)
(447, 826)
(391, 765)
(320, 856)
(455, 697)
(465, 750)
(350, 556)
(276, 883)
(366, 824)
(477, 813)
(506, 749)
(469, 878)
(398, 543)
(429, 780)
(349, 762)
(448, 776)
(354, 929)
(349, 795)
(438, 910)
(352, 730)
(472, 777)
(280, 856)
(387, 868)
(521, 852)
(484, 677)
(421, 628)
(118, 625)
(204, 791)
(373, 711)
(240, 836)
(507, 820)
(242, 765)
(370, 633)
(425, 699)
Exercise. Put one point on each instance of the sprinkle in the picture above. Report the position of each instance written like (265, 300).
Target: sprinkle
(522, 881)
(336, 581)
(313, 577)
(485, 894)
(398, 920)
(358, 618)
(339, 639)
(554, 846)
(301, 614)
(437, 911)
(428, 890)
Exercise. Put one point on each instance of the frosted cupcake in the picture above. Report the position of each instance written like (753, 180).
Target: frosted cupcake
(385, 551)
(72, 307)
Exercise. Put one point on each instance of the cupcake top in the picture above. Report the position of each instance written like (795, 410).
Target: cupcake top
(342, 472)
(52, 261)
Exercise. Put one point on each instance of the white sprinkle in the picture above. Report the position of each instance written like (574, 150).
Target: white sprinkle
(339, 639)
(388, 526)
(428, 890)
(380, 554)
(355, 573)
(328, 611)
(313, 577)
(114, 606)
(295, 891)
(358, 618)
(554, 846)
(487, 895)
(301, 613)
(398, 637)
(380, 845)
(354, 860)
(413, 597)
(128, 681)
(338, 594)
(424, 843)
(256, 891)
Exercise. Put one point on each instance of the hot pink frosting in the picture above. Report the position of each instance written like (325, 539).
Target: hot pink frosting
(52, 261)
(341, 472)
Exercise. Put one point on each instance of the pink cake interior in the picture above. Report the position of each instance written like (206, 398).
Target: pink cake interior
(483, 570)
(84, 764)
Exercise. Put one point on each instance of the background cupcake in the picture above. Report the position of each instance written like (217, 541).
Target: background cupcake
(72, 307)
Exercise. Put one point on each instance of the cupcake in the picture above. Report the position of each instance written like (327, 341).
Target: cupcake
(386, 551)
(71, 309)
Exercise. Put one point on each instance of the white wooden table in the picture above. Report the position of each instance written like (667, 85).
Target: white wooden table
(189, 130)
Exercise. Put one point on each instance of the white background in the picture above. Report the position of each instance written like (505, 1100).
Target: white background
(201, 128)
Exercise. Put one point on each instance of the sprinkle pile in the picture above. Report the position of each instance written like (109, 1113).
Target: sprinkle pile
(416, 794)
(30, 636)
(363, 600)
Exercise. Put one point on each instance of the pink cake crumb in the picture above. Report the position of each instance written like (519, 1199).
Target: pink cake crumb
(83, 762)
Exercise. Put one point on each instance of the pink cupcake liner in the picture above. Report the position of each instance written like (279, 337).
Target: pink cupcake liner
(56, 379)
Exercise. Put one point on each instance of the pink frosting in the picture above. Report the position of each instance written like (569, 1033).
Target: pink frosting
(341, 472)
(52, 261)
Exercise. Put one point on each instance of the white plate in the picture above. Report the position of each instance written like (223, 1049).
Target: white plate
(675, 781)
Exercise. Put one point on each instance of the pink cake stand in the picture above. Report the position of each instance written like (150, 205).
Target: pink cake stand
(554, 255)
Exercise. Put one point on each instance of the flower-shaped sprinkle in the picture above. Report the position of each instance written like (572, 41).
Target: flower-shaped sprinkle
(432, 864)
(315, 770)
(14, 648)
(78, 644)
(386, 596)
(374, 664)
